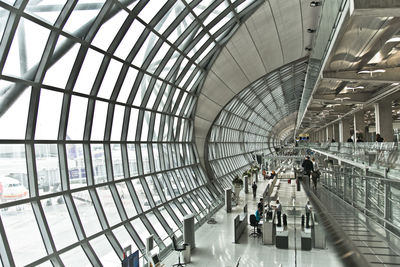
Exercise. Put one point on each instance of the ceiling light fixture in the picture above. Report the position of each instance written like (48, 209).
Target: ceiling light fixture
(310, 30)
(315, 3)
(371, 71)
(353, 88)
(393, 40)
(341, 99)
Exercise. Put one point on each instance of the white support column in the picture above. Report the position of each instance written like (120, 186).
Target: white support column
(344, 131)
(384, 120)
(335, 127)
(329, 132)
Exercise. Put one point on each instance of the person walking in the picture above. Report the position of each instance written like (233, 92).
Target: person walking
(307, 168)
(315, 174)
(264, 173)
(254, 186)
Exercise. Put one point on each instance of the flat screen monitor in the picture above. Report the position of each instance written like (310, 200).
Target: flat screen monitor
(155, 259)
(132, 260)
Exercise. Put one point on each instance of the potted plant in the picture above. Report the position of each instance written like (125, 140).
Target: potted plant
(254, 170)
(237, 182)
(237, 186)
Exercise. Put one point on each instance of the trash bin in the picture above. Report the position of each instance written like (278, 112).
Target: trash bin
(186, 255)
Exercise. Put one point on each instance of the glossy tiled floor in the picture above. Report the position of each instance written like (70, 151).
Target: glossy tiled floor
(215, 247)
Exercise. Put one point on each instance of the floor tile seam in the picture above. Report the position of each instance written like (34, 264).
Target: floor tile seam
(381, 254)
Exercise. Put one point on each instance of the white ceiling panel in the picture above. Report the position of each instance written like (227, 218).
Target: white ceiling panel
(242, 48)
(228, 70)
(266, 38)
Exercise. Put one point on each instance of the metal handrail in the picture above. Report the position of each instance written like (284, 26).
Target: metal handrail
(349, 254)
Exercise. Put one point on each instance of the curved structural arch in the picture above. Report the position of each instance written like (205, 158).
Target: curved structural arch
(254, 122)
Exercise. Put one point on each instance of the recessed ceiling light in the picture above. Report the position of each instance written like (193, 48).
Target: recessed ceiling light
(353, 88)
(371, 71)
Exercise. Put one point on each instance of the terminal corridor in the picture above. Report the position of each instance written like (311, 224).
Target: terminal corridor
(132, 133)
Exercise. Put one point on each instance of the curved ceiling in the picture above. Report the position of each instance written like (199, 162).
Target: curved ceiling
(275, 35)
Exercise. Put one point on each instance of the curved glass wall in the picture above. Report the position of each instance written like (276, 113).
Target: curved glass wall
(247, 125)
(96, 116)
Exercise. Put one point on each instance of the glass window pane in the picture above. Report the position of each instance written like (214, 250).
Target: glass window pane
(145, 125)
(75, 257)
(130, 39)
(154, 93)
(170, 16)
(117, 161)
(110, 78)
(177, 211)
(13, 121)
(76, 165)
(140, 229)
(86, 212)
(99, 120)
(108, 205)
(157, 225)
(133, 169)
(3, 19)
(48, 170)
(76, 119)
(99, 163)
(104, 251)
(159, 56)
(13, 174)
(151, 9)
(124, 239)
(44, 11)
(140, 194)
(153, 190)
(88, 72)
(59, 222)
(19, 224)
(81, 16)
(26, 49)
(58, 74)
(133, 124)
(126, 199)
(117, 123)
(169, 220)
(165, 187)
(104, 36)
(141, 90)
(145, 159)
(156, 158)
(48, 115)
(144, 51)
(180, 29)
(127, 85)
(45, 264)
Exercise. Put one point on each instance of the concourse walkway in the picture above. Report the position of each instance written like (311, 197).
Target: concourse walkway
(215, 247)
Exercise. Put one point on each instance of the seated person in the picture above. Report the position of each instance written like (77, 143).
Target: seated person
(259, 214)
(272, 175)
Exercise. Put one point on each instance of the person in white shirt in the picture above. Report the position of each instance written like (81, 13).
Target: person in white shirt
(315, 174)
(308, 213)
